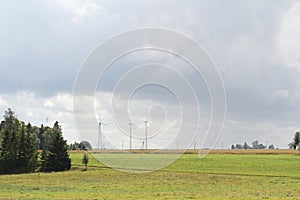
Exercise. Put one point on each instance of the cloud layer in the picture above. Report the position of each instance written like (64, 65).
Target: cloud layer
(255, 44)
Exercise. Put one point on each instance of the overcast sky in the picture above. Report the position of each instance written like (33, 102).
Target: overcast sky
(254, 43)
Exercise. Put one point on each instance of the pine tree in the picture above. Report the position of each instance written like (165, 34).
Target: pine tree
(41, 137)
(22, 153)
(18, 154)
(30, 149)
(55, 157)
(9, 144)
(5, 144)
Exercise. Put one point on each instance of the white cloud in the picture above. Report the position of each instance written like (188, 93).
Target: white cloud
(279, 134)
(79, 9)
(48, 104)
(42, 110)
(290, 37)
(65, 100)
(281, 94)
(30, 114)
(3, 102)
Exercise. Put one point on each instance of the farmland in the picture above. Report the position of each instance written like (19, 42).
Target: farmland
(220, 175)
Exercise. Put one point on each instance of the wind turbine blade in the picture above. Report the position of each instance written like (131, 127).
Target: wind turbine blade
(99, 118)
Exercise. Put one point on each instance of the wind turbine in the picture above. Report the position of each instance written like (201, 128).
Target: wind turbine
(130, 136)
(100, 136)
(146, 134)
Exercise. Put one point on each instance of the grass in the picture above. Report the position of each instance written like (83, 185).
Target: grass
(217, 176)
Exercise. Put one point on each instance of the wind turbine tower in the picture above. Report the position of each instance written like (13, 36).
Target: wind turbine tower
(100, 136)
(146, 142)
(130, 136)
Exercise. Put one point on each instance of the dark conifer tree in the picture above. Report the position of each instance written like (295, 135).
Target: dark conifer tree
(18, 153)
(41, 137)
(55, 157)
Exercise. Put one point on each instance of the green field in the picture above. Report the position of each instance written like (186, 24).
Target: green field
(217, 176)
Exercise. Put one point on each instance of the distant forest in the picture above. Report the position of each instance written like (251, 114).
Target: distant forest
(255, 145)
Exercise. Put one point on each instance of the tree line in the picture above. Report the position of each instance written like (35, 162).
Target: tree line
(19, 143)
(83, 145)
(255, 145)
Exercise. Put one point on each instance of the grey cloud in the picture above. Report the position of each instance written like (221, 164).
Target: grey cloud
(42, 47)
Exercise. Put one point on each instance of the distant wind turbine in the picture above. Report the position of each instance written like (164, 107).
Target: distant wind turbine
(100, 136)
(130, 136)
(146, 134)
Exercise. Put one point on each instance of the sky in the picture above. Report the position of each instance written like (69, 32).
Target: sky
(253, 43)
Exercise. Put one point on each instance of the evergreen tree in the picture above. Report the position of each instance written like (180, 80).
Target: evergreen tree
(55, 157)
(9, 143)
(5, 144)
(2, 125)
(22, 151)
(41, 137)
(246, 146)
(30, 149)
(18, 154)
(47, 137)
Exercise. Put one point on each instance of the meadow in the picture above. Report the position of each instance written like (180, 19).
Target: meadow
(217, 176)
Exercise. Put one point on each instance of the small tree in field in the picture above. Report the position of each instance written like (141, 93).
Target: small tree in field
(85, 160)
